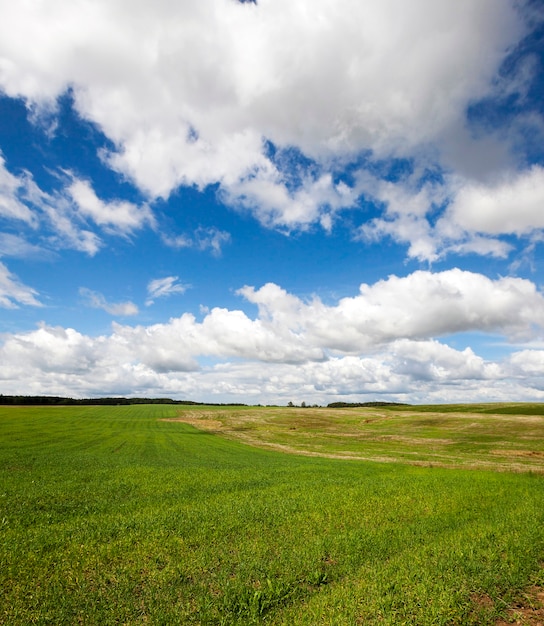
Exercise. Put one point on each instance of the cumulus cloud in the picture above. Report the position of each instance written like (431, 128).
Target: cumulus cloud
(14, 293)
(62, 361)
(405, 216)
(298, 113)
(97, 301)
(511, 205)
(527, 362)
(382, 78)
(473, 214)
(433, 361)
(382, 342)
(164, 287)
(419, 306)
(316, 199)
(50, 349)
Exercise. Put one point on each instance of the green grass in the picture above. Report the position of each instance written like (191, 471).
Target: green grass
(109, 515)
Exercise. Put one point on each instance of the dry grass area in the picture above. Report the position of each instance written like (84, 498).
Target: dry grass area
(461, 438)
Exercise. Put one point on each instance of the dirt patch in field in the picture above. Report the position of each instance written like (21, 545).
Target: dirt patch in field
(203, 424)
(425, 441)
(520, 453)
(528, 612)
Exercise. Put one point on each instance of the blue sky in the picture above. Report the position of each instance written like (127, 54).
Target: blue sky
(272, 201)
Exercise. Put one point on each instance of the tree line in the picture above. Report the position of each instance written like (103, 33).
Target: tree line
(113, 401)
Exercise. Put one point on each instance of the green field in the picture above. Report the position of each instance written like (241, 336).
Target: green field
(112, 515)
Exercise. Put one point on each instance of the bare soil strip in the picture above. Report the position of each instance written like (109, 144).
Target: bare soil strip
(528, 612)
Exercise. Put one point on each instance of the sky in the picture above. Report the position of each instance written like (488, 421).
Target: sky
(272, 201)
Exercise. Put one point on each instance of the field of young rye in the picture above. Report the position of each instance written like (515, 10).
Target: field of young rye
(116, 515)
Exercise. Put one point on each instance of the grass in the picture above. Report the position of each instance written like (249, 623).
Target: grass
(495, 436)
(110, 515)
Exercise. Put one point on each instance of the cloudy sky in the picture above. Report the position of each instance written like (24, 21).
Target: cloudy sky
(272, 201)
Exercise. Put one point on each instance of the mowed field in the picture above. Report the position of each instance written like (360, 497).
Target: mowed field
(160, 514)
(496, 436)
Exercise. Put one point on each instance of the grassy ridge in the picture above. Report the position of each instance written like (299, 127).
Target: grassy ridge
(109, 515)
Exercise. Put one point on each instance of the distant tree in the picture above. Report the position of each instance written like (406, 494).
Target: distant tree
(303, 404)
(290, 403)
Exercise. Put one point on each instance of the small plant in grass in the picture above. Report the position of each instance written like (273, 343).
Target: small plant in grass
(254, 601)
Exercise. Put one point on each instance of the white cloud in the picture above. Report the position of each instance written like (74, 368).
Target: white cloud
(528, 362)
(49, 349)
(17, 247)
(119, 217)
(97, 301)
(65, 362)
(476, 213)
(177, 241)
(434, 361)
(419, 306)
(64, 218)
(14, 293)
(233, 334)
(268, 196)
(211, 239)
(381, 340)
(405, 213)
(12, 188)
(163, 287)
(66, 230)
(511, 205)
(382, 77)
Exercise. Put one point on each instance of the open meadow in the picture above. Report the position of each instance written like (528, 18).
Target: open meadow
(164, 514)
